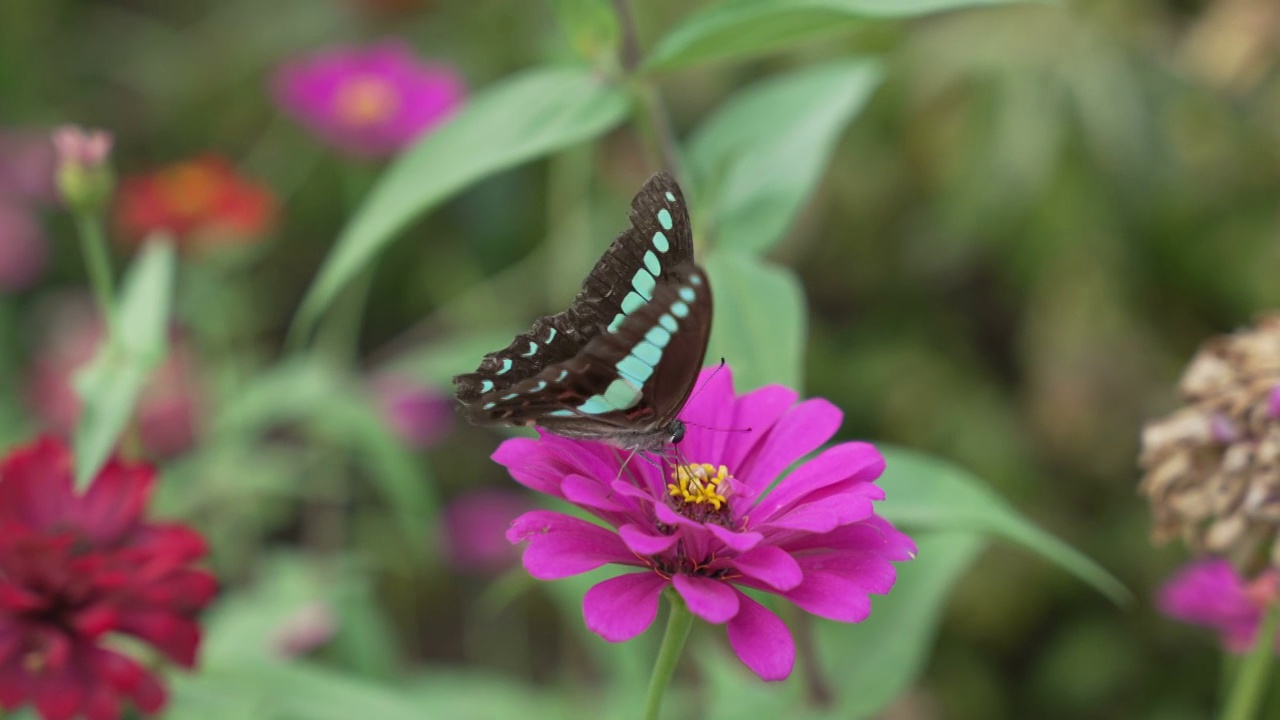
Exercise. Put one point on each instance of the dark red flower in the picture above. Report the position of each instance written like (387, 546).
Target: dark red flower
(203, 202)
(78, 569)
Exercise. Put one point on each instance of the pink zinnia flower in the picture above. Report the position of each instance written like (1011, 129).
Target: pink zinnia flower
(77, 569)
(369, 102)
(473, 525)
(719, 523)
(1211, 593)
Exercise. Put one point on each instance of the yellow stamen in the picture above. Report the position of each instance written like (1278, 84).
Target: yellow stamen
(366, 100)
(700, 484)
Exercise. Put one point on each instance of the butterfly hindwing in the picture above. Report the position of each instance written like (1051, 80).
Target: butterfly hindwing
(619, 364)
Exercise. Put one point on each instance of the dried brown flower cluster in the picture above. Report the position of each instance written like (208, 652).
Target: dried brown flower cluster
(1212, 468)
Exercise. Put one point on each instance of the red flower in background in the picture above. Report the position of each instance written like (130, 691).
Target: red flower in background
(79, 568)
(203, 202)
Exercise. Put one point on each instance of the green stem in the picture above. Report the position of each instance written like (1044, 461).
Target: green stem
(651, 114)
(97, 261)
(679, 620)
(1251, 680)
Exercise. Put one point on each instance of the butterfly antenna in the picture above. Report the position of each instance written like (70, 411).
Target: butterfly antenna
(695, 394)
(706, 382)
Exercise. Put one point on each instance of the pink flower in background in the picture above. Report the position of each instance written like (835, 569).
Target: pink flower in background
(1212, 594)
(717, 524)
(167, 410)
(370, 102)
(26, 183)
(475, 525)
(420, 416)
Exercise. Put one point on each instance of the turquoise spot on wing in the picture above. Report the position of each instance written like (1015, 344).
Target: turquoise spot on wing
(632, 302)
(664, 219)
(651, 354)
(533, 348)
(551, 335)
(486, 386)
(660, 242)
(670, 197)
(541, 384)
(644, 284)
(617, 322)
(595, 405)
(490, 405)
(658, 336)
(563, 374)
(506, 365)
(695, 279)
(563, 413)
(679, 309)
(651, 263)
(635, 370)
(512, 396)
(669, 322)
(686, 294)
(621, 394)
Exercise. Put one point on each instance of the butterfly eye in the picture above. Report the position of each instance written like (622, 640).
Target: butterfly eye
(677, 432)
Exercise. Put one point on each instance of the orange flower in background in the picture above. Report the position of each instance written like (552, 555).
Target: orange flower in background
(203, 202)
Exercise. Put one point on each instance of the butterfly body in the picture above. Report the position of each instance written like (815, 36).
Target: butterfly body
(619, 363)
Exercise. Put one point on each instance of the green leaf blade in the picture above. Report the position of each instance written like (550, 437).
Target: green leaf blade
(761, 156)
(760, 320)
(533, 114)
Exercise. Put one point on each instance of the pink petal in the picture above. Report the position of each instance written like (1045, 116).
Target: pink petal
(527, 464)
(621, 608)
(770, 565)
(759, 410)
(836, 586)
(1211, 593)
(854, 460)
(561, 546)
(712, 600)
(761, 640)
(709, 414)
(801, 431)
(642, 542)
(588, 493)
(739, 541)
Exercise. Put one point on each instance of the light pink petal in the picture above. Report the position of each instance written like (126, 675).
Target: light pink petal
(642, 542)
(761, 640)
(854, 460)
(739, 541)
(621, 608)
(561, 546)
(801, 431)
(771, 566)
(712, 600)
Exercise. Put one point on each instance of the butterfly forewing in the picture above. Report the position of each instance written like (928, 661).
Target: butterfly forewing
(619, 363)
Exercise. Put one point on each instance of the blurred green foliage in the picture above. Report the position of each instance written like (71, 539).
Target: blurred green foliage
(997, 231)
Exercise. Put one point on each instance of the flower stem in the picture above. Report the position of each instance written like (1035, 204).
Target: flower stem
(1251, 680)
(97, 261)
(679, 620)
(651, 113)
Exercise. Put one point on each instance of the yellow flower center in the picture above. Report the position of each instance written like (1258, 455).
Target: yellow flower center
(700, 485)
(366, 100)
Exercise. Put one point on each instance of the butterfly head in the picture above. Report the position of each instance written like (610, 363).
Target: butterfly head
(676, 429)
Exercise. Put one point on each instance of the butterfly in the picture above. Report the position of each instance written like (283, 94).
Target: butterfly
(619, 364)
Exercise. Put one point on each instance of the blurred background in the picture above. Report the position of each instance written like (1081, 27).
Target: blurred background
(1016, 247)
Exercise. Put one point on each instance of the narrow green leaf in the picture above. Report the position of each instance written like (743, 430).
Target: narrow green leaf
(591, 25)
(519, 119)
(760, 157)
(110, 384)
(925, 492)
(873, 662)
(749, 28)
(760, 320)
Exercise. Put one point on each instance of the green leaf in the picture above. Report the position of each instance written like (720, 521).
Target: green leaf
(533, 114)
(760, 320)
(749, 28)
(760, 157)
(928, 493)
(309, 392)
(873, 662)
(591, 25)
(110, 384)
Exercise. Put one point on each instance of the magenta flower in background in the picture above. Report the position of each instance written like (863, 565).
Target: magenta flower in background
(1212, 594)
(420, 415)
(370, 102)
(716, 527)
(473, 526)
(26, 184)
